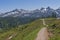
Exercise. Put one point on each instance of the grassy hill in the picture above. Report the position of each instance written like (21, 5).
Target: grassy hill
(54, 28)
(23, 32)
(29, 31)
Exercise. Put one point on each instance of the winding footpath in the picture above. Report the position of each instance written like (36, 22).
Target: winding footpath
(43, 33)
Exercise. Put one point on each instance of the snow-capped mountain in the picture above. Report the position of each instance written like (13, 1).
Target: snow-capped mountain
(43, 12)
(13, 13)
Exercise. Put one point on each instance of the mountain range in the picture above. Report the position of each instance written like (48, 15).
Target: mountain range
(37, 13)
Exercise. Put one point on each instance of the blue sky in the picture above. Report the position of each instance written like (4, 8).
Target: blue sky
(7, 5)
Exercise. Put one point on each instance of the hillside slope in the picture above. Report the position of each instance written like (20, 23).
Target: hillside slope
(54, 28)
(29, 31)
(23, 32)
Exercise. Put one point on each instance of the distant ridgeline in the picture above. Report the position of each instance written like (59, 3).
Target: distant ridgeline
(18, 17)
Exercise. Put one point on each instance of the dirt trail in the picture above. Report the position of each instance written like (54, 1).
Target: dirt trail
(44, 22)
(43, 33)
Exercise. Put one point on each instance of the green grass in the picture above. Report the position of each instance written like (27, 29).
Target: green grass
(24, 32)
(54, 28)
(32, 35)
(29, 31)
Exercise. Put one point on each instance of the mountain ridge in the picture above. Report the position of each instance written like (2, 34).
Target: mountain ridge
(43, 12)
